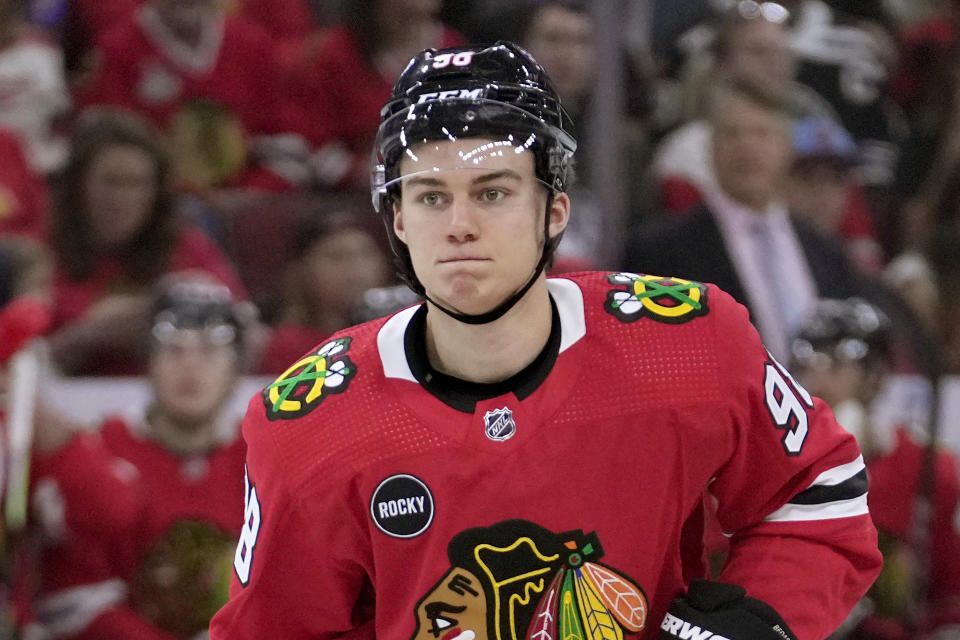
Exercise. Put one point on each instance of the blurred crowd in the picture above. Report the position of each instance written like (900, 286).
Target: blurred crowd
(185, 196)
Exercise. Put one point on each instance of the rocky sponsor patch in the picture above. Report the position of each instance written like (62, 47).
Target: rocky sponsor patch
(402, 506)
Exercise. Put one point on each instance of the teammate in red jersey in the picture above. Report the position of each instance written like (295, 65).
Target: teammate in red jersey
(845, 352)
(524, 457)
(138, 519)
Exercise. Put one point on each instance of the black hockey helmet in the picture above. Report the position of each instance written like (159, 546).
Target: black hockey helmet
(845, 330)
(498, 92)
(198, 302)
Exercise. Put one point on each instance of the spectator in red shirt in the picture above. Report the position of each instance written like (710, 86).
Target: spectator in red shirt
(170, 55)
(341, 84)
(334, 260)
(24, 199)
(33, 90)
(289, 22)
(115, 231)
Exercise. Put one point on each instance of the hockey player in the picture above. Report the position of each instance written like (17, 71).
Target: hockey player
(138, 518)
(524, 457)
(844, 353)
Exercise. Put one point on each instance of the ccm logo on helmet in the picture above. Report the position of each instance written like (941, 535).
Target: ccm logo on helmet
(452, 94)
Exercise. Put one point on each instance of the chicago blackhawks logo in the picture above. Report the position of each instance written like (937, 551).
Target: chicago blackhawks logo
(185, 578)
(670, 300)
(516, 580)
(308, 381)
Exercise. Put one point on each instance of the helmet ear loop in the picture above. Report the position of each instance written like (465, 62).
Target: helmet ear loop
(379, 180)
(558, 167)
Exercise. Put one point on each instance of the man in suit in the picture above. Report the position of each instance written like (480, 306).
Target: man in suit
(741, 237)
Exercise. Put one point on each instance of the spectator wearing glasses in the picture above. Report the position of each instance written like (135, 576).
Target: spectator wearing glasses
(751, 41)
(773, 264)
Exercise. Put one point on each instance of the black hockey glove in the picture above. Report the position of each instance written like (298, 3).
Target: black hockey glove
(720, 611)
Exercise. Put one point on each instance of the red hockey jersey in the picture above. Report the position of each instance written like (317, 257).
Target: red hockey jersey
(134, 535)
(386, 501)
(895, 502)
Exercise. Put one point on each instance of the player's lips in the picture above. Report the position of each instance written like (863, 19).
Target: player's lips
(462, 259)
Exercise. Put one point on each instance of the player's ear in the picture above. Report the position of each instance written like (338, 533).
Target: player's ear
(559, 213)
(398, 224)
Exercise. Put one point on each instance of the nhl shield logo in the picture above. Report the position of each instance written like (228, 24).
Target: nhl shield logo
(499, 425)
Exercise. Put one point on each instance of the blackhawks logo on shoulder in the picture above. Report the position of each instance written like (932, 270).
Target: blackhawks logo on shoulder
(670, 300)
(302, 387)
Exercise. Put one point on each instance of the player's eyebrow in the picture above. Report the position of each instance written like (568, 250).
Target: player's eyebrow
(423, 181)
(429, 181)
(497, 175)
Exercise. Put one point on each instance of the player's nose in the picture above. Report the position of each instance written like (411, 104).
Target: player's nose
(462, 223)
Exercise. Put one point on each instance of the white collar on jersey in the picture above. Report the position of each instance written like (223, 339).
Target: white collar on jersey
(199, 59)
(565, 293)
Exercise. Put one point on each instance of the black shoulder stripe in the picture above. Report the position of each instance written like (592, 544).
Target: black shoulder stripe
(853, 487)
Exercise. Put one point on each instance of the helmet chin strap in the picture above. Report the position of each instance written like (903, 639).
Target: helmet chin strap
(501, 309)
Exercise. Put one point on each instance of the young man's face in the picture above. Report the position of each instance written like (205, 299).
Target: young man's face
(474, 230)
(192, 376)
